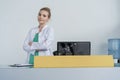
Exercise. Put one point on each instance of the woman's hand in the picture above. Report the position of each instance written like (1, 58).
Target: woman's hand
(30, 43)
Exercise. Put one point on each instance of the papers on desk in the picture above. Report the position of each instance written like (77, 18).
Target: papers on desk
(21, 65)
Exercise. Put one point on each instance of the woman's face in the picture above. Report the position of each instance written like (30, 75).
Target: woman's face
(43, 17)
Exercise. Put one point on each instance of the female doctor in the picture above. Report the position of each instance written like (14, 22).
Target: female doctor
(39, 40)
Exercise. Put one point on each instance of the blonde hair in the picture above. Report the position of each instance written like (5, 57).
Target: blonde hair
(48, 10)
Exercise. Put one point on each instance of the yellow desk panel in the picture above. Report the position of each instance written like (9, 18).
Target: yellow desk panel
(73, 61)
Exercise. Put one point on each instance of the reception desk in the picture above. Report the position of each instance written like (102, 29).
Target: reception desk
(64, 68)
(24, 73)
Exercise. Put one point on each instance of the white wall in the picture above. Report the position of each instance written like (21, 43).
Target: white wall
(73, 20)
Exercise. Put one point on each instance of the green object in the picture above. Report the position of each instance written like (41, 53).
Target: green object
(31, 59)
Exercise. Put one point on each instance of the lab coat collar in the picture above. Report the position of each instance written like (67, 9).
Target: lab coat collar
(44, 27)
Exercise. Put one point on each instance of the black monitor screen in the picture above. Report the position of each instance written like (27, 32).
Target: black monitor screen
(73, 48)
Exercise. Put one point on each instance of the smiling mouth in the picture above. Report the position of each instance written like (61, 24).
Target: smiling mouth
(41, 21)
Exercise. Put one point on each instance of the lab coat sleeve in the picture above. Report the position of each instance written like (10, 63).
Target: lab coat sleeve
(26, 46)
(44, 45)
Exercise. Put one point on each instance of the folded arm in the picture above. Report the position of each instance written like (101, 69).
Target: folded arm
(44, 45)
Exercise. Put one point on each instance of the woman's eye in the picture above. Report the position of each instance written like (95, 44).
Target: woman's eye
(44, 15)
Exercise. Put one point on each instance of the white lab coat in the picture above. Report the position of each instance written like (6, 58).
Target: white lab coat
(46, 38)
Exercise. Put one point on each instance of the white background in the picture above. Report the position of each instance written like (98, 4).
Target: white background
(73, 20)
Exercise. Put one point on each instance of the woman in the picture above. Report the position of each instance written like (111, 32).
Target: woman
(39, 40)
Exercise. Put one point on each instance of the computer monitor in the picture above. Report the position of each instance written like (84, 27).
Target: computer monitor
(73, 48)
